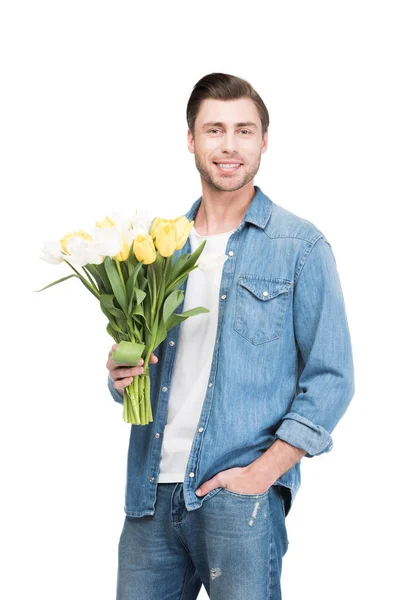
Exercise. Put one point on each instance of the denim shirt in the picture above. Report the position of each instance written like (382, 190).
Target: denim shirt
(282, 364)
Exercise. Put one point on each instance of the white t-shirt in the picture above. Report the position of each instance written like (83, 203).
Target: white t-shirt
(193, 360)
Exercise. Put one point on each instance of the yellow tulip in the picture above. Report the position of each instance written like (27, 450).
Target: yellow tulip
(70, 236)
(143, 248)
(124, 253)
(107, 222)
(182, 230)
(170, 234)
(165, 241)
(156, 225)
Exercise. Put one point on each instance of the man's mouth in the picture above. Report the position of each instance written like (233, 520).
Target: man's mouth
(228, 167)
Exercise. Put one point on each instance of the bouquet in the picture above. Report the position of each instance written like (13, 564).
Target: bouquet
(128, 266)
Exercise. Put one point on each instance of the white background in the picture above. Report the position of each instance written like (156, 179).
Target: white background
(93, 120)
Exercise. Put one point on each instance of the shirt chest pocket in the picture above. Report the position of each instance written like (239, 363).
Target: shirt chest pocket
(261, 305)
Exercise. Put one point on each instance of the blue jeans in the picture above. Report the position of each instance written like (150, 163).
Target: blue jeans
(233, 544)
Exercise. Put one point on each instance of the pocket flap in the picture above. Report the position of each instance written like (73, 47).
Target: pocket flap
(263, 288)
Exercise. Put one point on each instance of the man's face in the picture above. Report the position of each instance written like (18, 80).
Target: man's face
(227, 143)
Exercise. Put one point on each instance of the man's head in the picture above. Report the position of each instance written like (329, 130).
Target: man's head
(228, 123)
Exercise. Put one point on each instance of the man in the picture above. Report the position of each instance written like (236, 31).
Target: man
(239, 394)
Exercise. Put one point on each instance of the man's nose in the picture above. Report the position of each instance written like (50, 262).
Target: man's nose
(229, 142)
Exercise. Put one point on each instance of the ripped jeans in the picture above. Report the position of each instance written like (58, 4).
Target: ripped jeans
(233, 545)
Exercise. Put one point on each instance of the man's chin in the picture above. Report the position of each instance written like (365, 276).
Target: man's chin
(226, 186)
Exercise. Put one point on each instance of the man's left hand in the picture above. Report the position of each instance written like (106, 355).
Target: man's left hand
(242, 480)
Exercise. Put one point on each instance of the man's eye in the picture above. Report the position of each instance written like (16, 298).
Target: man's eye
(246, 130)
(212, 130)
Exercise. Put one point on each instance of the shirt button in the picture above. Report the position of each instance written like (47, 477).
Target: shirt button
(265, 293)
(223, 296)
(164, 389)
(210, 384)
(172, 343)
(201, 429)
(157, 435)
(231, 253)
(151, 478)
(191, 474)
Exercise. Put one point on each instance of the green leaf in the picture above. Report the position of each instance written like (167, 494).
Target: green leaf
(117, 286)
(138, 310)
(147, 315)
(139, 316)
(89, 287)
(111, 319)
(140, 295)
(107, 300)
(124, 269)
(178, 266)
(132, 261)
(103, 276)
(92, 289)
(185, 263)
(171, 303)
(177, 284)
(113, 333)
(128, 353)
(177, 318)
(150, 279)
(55, 282)
(93, 271)
(161, 334)
(122, 323)
(158, 265)
(168, 269)
(130, 284)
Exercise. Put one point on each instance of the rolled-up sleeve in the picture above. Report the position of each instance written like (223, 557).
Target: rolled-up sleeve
(326, 373)
(114, 393)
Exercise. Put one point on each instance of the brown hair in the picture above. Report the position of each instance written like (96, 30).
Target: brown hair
(222, 86)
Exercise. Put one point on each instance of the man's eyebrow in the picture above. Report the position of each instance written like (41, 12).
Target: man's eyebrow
(220, 124)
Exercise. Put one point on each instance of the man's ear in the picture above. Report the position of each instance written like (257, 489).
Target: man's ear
(264, 144)
(190, 141)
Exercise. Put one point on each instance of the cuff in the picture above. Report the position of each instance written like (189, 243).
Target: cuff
(302, 433)
(114, 393)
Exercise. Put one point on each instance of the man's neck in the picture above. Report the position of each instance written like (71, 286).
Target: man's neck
(222, 211)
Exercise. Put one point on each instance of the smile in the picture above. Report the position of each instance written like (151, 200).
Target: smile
(228, 167)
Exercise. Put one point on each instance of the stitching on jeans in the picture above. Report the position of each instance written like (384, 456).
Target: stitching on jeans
(269, 549)
(185, 581)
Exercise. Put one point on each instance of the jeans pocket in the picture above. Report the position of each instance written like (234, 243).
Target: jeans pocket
(240, 495)
(261, 305)
(281, 490)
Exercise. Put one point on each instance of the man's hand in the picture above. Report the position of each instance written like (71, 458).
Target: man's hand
(123, 374)
(243, 480)
(258, 476)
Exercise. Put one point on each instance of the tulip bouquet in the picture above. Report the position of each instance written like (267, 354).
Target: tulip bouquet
(127, 264)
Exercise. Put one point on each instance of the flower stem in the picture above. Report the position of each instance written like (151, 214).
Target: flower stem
(85, 282)
(120, 273)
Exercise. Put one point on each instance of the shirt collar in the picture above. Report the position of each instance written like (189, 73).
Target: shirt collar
(258, 211)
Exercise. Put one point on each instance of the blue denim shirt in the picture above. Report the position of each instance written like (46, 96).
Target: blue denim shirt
(282, 364)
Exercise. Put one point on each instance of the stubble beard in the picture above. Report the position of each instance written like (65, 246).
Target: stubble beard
(230, 183)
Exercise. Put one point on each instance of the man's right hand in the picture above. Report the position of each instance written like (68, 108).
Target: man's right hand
(123, 374)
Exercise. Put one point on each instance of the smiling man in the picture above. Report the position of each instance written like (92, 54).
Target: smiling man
(239, 394)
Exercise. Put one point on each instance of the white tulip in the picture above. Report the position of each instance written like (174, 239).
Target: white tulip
(209, 261)
(83, 252)
(107, 241)
(51, 252)
(139, 221)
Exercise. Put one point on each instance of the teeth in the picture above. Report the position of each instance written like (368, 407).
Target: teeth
(226, 166)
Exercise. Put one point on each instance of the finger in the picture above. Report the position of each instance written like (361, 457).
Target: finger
(153, 358)
(120, 384)
(116, 364)
(114, 347)
(126, 372)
